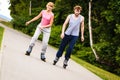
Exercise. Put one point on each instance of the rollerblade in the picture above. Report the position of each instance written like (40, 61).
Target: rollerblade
(65, 64)
(55, 61)
(43, 57)
(29, 51)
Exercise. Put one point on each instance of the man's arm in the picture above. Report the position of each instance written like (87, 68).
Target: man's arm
(64, 26)
(82, 30)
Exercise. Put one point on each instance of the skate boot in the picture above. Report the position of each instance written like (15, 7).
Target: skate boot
(65, 64)
(29, 51)
(43, 57)
(55, 61)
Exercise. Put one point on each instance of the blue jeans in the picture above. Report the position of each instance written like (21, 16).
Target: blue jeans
(68, 39)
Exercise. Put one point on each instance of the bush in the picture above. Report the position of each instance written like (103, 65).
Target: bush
(55, 36)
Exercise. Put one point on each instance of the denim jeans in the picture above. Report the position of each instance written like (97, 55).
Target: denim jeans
(68, 39)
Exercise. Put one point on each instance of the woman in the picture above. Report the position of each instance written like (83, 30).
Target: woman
(44, 26)
(70, 36)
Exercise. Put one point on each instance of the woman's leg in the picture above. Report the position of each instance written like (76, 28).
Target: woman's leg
(32, 42)
(35, 36)
(46, 36)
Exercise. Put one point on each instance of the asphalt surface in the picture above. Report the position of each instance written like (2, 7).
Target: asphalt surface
(15, 65)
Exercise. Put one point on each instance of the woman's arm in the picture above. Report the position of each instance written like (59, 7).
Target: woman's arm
(34, 19)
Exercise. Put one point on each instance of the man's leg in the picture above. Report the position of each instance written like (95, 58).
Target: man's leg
(69, 50)
(63, 44)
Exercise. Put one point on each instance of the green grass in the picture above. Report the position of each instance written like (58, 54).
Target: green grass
(105, 75)
(1, 35)
(7, 24)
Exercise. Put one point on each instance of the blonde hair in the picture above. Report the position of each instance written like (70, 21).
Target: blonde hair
(77, 7)
(50, 4)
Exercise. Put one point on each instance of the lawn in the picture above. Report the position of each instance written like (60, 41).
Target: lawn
(1, 35)
(105, 75)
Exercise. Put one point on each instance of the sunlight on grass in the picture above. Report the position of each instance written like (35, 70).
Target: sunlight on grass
(1, 35)
(7, 24)
(105, 75)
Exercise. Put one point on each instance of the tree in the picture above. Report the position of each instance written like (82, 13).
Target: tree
(90, 32)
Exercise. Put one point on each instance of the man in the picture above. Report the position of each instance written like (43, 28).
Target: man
(70, 36)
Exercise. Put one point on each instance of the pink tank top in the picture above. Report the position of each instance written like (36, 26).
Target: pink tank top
(46, 18)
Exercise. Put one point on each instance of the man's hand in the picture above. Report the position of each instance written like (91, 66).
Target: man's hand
(82, 38)
(62, 35)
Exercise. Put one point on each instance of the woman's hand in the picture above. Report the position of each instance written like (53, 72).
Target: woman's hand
(41, 27)
(27, 23)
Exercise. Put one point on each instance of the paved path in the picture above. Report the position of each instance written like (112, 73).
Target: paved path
(17, 66)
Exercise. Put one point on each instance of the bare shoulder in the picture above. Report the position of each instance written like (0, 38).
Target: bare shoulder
(82, 17)
(52, 13)
(69, 16)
